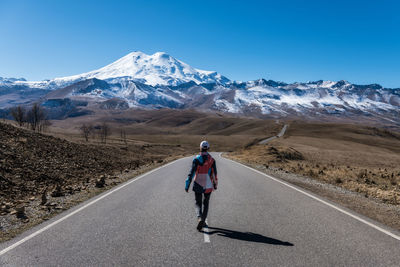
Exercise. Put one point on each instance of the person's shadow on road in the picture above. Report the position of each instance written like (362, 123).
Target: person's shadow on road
(246, 236)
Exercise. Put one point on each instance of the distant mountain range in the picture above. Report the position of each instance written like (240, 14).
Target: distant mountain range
(158, 81)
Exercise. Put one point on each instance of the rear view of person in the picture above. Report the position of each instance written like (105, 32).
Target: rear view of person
(204, 171)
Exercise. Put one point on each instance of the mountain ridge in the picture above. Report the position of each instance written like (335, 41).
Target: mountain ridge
(157, 81)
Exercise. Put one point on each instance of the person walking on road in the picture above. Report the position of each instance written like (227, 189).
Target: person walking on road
(204, 171)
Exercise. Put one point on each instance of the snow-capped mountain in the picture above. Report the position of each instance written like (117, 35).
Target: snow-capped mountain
(157, 69)
(160, 81)
(256, 98)
(314, 99)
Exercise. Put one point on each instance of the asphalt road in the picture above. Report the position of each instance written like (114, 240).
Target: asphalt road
(280, 134)
(253, 221)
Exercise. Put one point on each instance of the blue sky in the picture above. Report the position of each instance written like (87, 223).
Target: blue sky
(358, 41)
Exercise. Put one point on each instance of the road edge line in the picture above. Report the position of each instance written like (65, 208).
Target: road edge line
(321, 200)
(134, 179)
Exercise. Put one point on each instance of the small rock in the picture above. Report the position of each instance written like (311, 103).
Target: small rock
(32, 198)
(101, 182)
(20, 211)
(57, 192)
(44, 198)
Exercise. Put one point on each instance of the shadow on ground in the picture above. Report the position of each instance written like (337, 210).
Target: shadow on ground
(246, 236)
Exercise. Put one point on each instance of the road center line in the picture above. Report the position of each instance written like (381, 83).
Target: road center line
(16, 244)
(206, 233)
(322, 201)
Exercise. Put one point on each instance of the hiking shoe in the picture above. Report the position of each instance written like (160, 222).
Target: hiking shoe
(200, 225)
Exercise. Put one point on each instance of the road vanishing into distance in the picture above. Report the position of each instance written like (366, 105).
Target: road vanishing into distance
(254, 220)
(280, 134)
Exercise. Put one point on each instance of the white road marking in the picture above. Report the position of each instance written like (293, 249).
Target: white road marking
(16, 244)
(205, 232)
(322, 201)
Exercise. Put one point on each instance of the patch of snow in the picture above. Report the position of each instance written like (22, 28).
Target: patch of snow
(224, 105)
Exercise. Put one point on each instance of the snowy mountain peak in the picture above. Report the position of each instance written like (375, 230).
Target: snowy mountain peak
(157, 69)
(161, 55)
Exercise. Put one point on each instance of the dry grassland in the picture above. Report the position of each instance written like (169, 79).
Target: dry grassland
(361, 159)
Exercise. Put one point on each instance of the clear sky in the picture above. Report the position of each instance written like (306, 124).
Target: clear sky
(289, 41)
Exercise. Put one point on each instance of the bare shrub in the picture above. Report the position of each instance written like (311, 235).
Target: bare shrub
(123, 136)
(18, 113)
(362, 174)
(104, 132)
(338, 181)
(44, 125)
(393, 180)
(36, 118)
(86, 130)
(311, 173)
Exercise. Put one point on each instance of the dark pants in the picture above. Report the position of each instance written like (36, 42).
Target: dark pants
(202, 213)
